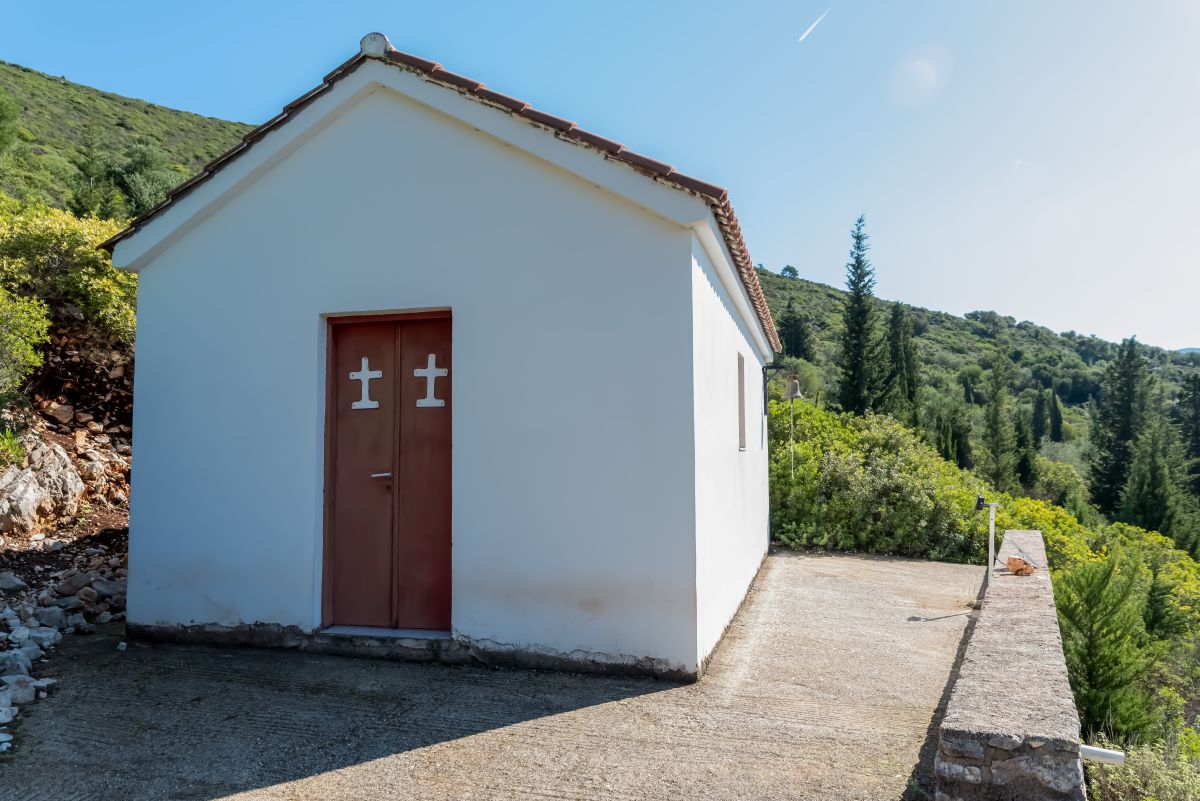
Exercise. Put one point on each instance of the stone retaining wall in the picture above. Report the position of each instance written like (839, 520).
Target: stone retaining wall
(1011, 730)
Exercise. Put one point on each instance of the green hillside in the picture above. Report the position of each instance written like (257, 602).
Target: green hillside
(64, 125)
(1069, 363)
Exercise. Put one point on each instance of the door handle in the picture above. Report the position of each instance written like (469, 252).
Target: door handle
(381, 475)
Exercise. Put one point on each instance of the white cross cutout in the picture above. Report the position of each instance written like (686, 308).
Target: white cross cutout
(365, 375)
(431, 373)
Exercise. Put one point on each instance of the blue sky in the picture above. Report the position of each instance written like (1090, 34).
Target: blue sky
(1039, 159)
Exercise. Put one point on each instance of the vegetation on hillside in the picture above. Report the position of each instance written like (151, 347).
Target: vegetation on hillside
(1094, 444)
(71, 146)
(1129, 600)
(51, 270)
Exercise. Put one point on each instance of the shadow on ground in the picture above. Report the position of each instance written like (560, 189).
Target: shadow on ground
(829, 685)
(191, 723)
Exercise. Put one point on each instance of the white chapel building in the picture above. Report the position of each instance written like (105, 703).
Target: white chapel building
(420, 366)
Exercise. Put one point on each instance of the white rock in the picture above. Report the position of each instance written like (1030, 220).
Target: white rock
(19, 634)
(47, 490)
(20, 688)
(7, 714)
(14, 662)
(46, 637)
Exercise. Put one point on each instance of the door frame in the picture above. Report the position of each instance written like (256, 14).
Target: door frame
(331, 322)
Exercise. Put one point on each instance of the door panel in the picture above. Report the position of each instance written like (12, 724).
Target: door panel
(364, 445)
(423, 491)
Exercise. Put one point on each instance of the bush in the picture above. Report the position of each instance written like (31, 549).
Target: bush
(868, 484)
(51, 255)
(23, 327)
(11, 450)
(1154, 771)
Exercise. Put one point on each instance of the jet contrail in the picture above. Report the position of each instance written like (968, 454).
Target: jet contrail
(813, 27)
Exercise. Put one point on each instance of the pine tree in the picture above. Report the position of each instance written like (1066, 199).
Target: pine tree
(1148, 499)
(1100, 614)
(999, 463)
(1118, 423)
(1163, 618)
(1189, 419)
(1056, 420)
(858, 385)
(795, 333)
(1040, 420)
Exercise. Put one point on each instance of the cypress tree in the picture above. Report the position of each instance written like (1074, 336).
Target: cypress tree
(1118, 423)
(1056, 420)
(858, 384)
(1026, 452)
(795, 333)
(1100, 615)
(1040, 420)
(903, 376)
(960, 427)
(999, 464)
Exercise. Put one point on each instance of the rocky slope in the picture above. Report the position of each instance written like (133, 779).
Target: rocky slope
(63, 511)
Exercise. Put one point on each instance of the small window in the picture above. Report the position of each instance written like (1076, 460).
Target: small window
(741, 402)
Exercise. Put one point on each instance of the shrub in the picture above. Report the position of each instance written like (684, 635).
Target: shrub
(1154, 771)
(50, 254)
(868, 484)
(11, 450)
(23, 327)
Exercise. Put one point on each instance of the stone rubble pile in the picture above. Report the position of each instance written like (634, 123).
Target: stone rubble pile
(38, 608)
(85, 373)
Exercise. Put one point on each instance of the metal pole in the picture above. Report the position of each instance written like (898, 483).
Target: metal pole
(991, 540)
(792, 438)
(1106, 755)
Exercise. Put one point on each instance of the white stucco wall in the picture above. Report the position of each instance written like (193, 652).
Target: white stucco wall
(573, 467)
(731, 484)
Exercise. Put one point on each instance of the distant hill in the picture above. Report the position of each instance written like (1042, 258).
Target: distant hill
(1189, 350)
(60, 119)
(1069, 363)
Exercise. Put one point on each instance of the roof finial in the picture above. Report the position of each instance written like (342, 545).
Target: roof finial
(375, 44)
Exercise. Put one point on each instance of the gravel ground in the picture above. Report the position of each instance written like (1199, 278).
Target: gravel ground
(827, 686)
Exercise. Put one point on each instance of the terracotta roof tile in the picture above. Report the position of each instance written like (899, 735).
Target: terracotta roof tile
(607, 145)
(549, 120)
(409, 60)
(646, 163)
(503, 100)
(717, 198)
(454, 79)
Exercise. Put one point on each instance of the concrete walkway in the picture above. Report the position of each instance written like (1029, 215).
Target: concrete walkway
(825, 687)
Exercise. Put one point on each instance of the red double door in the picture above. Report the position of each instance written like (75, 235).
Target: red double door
(388, 472)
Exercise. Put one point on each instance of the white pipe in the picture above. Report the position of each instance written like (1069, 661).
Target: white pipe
(1104, 755)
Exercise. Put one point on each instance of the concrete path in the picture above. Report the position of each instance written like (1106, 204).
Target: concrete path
(826, 687)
